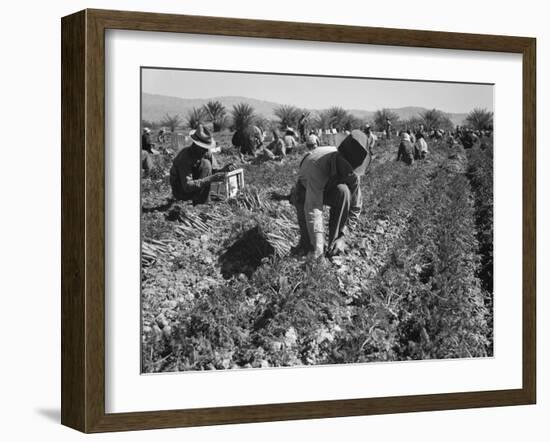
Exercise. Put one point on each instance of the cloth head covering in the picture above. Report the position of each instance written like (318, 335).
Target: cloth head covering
(354, 149)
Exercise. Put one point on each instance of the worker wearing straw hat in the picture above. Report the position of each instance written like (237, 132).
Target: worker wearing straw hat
(330, 176)
(195, 168)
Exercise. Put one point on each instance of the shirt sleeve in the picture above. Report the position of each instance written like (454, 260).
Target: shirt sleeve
(215, 164)
(188, 184)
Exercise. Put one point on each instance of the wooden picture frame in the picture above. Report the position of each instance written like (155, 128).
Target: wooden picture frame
(83, 220)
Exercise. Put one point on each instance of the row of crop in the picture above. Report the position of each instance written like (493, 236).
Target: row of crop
(284, 315)
(427, 301)
(480, 174)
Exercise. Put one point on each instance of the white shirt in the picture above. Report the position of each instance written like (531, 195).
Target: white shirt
(422, 145)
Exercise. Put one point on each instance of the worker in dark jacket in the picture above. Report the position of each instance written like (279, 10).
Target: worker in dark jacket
(146, 143)
(248, 140)
(388, 128)
(468, 139)
(302, 127)
(195, 168)
(406, 149)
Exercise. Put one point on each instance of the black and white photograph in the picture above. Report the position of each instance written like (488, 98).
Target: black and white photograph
(303, 220)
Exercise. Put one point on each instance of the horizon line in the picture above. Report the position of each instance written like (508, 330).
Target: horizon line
(311, 109)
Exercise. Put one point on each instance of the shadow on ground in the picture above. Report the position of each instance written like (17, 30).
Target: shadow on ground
(246, 254)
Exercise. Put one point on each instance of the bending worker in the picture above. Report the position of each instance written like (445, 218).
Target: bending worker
(330, 176)
(195, 168)
(146, 151)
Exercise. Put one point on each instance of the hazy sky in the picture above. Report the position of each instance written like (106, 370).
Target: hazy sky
(319, 92)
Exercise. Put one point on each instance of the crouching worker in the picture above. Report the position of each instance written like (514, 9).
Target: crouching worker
(195, 168)
(146, 152)
(420, 147)
(329, 176)
(405, 152)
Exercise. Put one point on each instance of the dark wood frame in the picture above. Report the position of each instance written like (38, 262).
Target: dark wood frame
(83, 217)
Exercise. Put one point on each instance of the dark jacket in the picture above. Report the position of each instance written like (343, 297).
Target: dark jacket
(248, 140)
(183, 174)
(405, 152)
(468, 140)
(146, 143)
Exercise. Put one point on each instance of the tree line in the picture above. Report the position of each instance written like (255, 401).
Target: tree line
(336, 117)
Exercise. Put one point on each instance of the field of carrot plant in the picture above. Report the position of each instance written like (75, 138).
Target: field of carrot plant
(220, 289)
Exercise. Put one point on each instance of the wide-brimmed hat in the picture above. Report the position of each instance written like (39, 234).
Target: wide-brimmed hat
(202, 137)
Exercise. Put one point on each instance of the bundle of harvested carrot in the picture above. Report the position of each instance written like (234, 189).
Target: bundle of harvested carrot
(152, 250)
(252, 199)
(190, 223)
(280, 244)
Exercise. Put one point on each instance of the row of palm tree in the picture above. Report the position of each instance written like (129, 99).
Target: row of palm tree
(477, 119)
(243, 115)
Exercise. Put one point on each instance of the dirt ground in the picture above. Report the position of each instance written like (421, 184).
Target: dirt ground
(220, 289)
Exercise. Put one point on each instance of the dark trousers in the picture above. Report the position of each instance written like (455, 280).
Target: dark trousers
(338, 197)
(202, 170)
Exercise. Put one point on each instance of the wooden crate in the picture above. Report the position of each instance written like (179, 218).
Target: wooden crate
(233, 183)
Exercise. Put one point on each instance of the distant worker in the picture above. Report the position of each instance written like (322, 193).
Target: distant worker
(161, 137)
(258, 136)
(420, 147)
(248, 140)
(405, 152)
(290, 140)
(468, 139)
(195, 168)
(277, 147)
(421, 129)
(320, 135)
(371, 138)
(302, 122)
(329, 176)
(146, 143)
(388, 127)
(312, 140)
(146, 151)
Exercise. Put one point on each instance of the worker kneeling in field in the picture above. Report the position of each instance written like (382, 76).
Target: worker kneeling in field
(420, 147)
(330, 176)
(405, 152)
(195, 168)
